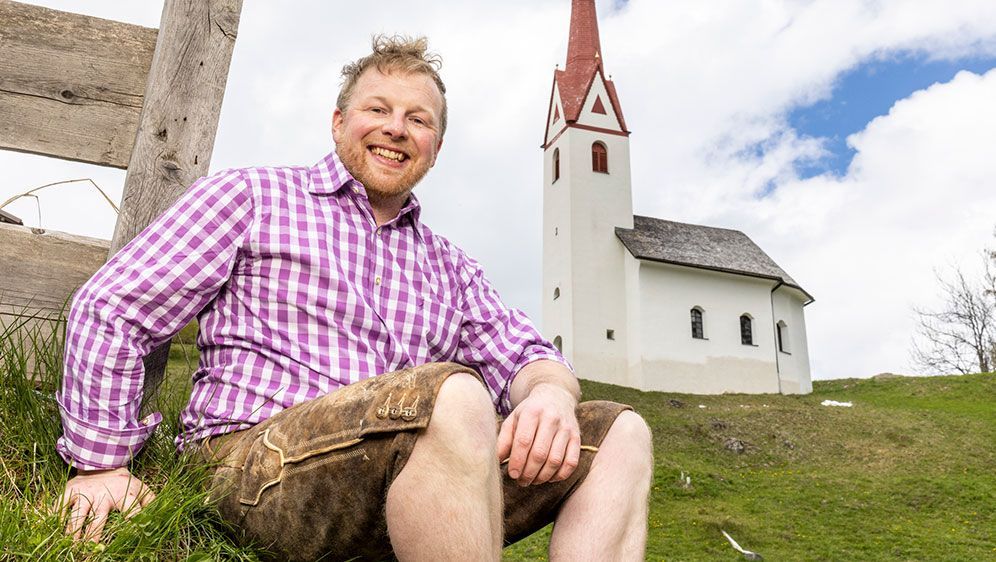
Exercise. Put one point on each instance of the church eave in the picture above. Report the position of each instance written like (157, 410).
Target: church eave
(576, 125)
(640, 247)
(782, 281)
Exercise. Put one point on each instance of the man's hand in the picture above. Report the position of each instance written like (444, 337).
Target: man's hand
(541, 438)
(90, 497)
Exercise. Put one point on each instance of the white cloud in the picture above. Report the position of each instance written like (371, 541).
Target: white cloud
(918, 196)
(699, 82)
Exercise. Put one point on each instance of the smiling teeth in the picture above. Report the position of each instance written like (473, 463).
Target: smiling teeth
(397, 156)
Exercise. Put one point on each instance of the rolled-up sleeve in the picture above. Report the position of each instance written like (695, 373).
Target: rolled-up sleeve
(496, 340)
(140, 298)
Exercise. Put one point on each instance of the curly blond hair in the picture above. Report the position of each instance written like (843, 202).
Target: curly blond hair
(395, 53)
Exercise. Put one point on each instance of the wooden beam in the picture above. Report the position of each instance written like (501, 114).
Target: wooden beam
(41, 269)
(71, 86)
(179, 120)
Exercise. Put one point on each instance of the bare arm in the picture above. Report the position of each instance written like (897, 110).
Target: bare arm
(540, 438)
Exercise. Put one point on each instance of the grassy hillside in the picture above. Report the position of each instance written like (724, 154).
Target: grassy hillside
(907, 473)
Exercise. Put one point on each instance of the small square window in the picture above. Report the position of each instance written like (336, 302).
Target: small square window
(610, 334)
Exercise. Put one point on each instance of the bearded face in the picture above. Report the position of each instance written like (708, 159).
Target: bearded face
(388, 137)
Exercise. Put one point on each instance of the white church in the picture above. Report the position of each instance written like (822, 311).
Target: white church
(644, 302)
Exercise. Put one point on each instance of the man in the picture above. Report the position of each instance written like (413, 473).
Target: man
(308, 282)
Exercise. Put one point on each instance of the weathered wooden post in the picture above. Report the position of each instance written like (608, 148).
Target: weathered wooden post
(179, 119)
(113, 94)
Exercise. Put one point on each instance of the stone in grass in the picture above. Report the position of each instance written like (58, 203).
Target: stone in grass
(675, 403)
(736, 445)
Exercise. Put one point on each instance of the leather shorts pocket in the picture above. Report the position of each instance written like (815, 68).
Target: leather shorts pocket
(270, 458)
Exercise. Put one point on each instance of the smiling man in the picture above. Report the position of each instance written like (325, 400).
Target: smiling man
(352, 362)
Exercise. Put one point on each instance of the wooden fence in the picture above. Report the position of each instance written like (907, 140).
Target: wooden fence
(113, 94)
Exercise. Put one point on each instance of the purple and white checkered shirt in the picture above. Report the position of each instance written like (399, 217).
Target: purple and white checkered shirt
(297, 292)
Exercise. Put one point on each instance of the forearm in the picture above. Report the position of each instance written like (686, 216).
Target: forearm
(543, 372)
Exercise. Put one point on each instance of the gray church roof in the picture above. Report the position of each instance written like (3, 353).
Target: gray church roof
(705, 247)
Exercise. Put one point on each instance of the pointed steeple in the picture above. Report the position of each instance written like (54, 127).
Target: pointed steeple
(584, 67)
(583, 46)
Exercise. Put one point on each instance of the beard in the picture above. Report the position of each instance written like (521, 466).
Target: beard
(379, 185)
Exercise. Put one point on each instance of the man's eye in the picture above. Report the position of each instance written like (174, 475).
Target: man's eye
(378, 110)
(418, 121)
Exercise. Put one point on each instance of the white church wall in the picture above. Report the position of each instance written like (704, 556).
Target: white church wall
(793, 362)
(634, 322)
(598, 203)
(674, 361)
(557, 319)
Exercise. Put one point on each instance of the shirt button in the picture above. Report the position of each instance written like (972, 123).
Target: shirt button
(356, 189)
(377, 280)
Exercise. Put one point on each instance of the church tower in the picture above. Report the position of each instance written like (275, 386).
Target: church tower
(586, 195)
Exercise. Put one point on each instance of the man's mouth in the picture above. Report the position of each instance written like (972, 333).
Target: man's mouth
(389, 154)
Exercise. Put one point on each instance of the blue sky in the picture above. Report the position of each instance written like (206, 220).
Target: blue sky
(866, 92)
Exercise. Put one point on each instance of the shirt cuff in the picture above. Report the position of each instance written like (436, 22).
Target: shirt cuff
(87, 446)
(530, 355)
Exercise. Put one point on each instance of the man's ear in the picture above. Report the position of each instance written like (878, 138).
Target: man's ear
(439, 146)
(337, 119)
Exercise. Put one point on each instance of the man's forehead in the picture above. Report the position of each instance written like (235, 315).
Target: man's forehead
(374, 83)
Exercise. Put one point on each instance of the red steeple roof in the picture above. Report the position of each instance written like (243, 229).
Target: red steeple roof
(584, 61)
(582, 46)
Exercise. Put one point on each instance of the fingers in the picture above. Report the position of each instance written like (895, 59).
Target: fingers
(522, 443)
(96, 527)
(89, 499)
(540, 451)
(63, 508)
(571, 459)
(130, 505)
(555, 459)
(134, 502)
(505, 437)
(146, 497)
(77, 516)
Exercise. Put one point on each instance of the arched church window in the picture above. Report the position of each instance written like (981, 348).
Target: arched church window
(556, 293)
(599, 157)
(746, 330)
(698, 327)
(783, 336)
(556, 164)
(558, 342)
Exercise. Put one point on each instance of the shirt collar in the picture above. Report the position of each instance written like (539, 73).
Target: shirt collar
(329, 176)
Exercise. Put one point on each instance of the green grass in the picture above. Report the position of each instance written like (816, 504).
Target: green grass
(908, 473)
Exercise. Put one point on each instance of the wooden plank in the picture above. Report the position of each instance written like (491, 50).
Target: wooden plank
(37, 341)
(71, 86)
(40, 272)
(9, 218)
(41, 269)
(179, 121)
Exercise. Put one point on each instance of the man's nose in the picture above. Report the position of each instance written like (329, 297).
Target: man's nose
(395, 126)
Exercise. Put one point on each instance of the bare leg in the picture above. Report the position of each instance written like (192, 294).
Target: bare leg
(446, 503)
(606, 517)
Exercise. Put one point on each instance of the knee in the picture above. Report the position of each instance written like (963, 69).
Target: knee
(631, 436)
(464, 414)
